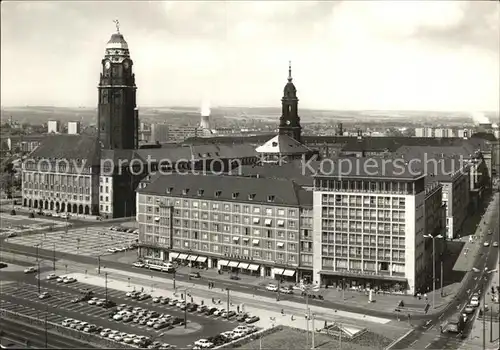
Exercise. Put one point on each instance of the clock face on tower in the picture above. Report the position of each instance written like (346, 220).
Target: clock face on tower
(287, 122)
(107, 65)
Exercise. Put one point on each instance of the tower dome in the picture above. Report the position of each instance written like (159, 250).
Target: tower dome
(117, 41)
(117, 47)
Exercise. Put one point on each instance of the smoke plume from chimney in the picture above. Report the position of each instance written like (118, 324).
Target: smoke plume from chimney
(480, 118)
(205, 108)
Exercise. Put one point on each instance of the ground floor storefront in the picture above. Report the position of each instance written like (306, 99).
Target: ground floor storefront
(365, 283)
(234, 266)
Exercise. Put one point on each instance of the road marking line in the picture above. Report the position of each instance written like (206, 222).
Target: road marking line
(428, 345)
(413, 342)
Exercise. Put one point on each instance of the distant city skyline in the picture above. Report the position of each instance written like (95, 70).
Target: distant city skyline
(346, 55)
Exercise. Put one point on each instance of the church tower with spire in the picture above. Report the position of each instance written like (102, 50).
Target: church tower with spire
(117, 117)
(290, 120)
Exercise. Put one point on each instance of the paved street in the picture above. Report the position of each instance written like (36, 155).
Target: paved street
(18, 223)
(89, 241)
(474, 283)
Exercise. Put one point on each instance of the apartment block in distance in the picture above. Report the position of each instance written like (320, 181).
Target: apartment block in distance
(239, 224)
(369, 225)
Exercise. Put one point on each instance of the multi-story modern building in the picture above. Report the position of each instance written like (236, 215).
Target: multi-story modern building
(53, 127)
(369, 224)
(74, 128)
(250, 225)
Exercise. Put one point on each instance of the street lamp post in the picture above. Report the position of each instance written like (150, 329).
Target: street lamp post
(433, 266)
(106, 287)
(38, 269)
(227, 313)
(312, 338)
(54, 258)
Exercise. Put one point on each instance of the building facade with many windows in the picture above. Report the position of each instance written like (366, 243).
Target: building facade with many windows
(62, 175)
(244, 225)
(369, 227)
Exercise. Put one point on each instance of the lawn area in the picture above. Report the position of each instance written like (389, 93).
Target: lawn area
(290, 338)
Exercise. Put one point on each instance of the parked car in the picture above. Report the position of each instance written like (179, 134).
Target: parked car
(143, 296)
(2, 265)
(44, 295)
(495, 244)
(139, 264)
(242, 317)
(286, 290)
(234, 277)
(67, 322)
(132, 294)
(69, 280)
(100, 302)
(30, 270)
(194, 275)
(203, 343)
(165, 300)
(211, 311)
(486, 244)
(202, 309)
(52, 276)
(128, 318)
(252, 319)
(93, 301)
(272, 287)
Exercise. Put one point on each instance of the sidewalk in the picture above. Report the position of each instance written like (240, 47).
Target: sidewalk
(268, 309)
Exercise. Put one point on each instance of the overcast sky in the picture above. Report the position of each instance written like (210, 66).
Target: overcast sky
(430, 55)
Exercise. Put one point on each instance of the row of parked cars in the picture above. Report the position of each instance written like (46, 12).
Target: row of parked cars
(121, 249)
(59, 279)
(274, 288)
(136, 295)
(206, 310)
(123, 229)
(122, 337)
(144, 317)
(225, 337)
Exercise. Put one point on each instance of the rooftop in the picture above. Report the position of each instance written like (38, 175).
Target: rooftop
(82, 147)
(369, 167)
(299, 171)
(230, 188)
(282, 144)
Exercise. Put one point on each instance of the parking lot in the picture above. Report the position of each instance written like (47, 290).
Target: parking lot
(19, 223)
(59, 306)
(90, 241)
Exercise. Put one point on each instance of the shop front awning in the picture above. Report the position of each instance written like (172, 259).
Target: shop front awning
(201, 259)
(182, 256)
(233, 264)
(253, 267)
(255, 241)
(192, 257)
(236, 239)
(223, 262)
(288, 273)
(174, 255)
(243, 266)
(278, 271)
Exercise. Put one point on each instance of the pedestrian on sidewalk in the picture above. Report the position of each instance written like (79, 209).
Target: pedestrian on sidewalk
(213, 300)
